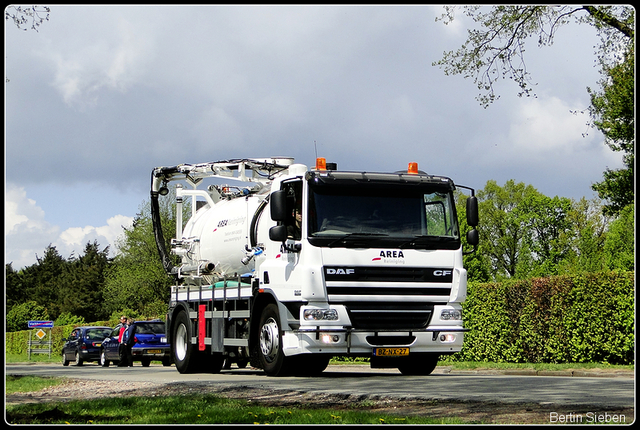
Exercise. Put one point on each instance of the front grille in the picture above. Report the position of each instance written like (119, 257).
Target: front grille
(388, 274)
(389, 316)
(377, 290)
(388, 281)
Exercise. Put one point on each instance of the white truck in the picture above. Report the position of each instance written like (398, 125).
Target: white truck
(290, 266)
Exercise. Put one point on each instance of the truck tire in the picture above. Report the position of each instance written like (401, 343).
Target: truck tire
(419, 364)
(184, 352)
(270, 342)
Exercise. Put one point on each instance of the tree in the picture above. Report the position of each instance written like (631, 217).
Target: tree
(524, 233)
(81, 292)
(23, 15)
(614, 115)
(20, 315)
(496, 49)
(589, 229)
(549, 234)
(42, 281)
(619, 249)
(137, 279)
(503, 228)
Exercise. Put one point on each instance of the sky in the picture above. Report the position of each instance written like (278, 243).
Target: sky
(100, 95)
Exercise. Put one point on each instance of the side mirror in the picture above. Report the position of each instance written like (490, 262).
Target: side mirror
(472, 237)
(278, 203)
(278, 233)
(472, 211)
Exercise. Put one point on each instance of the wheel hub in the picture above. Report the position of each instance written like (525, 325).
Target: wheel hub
(270, 340)
(181, 342)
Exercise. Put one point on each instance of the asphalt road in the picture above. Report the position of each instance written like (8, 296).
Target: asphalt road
(567, 391)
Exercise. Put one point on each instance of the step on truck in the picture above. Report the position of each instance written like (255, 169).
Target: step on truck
(284, 267)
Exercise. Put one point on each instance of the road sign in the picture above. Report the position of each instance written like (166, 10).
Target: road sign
(40, 324)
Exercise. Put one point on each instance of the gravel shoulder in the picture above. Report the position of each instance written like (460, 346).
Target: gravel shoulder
(470, 412)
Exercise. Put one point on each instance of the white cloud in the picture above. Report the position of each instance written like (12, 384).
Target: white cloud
(28, 233)
(77, 237)
(545, 127)
(115, 62)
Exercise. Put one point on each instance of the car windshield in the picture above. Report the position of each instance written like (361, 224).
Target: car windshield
(97, 333)
(150, 328)
(419, 217)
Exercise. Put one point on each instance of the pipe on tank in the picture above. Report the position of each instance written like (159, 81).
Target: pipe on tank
(167, 264)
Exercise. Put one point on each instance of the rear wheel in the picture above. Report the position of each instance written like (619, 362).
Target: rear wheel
(184, 354)
(270, 343)
(78, 360)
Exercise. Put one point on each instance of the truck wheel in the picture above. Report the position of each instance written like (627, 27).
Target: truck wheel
(184, 354)
(270, 342)
(419, 364)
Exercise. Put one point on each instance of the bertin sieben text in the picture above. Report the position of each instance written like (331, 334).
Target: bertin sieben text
(587, 418)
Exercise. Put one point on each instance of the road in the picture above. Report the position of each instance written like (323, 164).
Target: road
(604, 392)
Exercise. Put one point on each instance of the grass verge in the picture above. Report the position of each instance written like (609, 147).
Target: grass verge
(25, 384)
(207, 409)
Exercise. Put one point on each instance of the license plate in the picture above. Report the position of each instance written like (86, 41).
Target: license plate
(390, 352)
(154, 351)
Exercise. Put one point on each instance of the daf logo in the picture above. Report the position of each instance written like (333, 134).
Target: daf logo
(341, 271)
(441, 272)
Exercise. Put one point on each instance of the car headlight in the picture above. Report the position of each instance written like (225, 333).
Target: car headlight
(320, 315)
(450, 314)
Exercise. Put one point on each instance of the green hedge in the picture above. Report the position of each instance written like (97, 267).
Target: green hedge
(563, 319)
(16, 341)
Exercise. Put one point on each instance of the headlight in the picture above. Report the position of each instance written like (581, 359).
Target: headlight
(320, 315)
(450, 314)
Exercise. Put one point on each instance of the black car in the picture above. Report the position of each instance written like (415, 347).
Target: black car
(84, 344)
(150, 343)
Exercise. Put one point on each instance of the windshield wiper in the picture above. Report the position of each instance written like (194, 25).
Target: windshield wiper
(422, 239)
(356, 235)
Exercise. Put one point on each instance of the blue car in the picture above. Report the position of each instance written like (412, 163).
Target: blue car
(150, 344)
(83, 344)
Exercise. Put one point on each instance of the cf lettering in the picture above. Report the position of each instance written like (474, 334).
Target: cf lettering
(441, 272)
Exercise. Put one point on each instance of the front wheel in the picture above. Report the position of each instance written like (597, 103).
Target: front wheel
(270, 343)
(65, 362)
(103, 359)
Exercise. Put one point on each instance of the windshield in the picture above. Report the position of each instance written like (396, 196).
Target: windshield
(150, 328)
(393, 215)
(97, 333)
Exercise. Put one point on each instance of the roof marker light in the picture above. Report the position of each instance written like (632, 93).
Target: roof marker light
(413, 169)
(321, 163)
